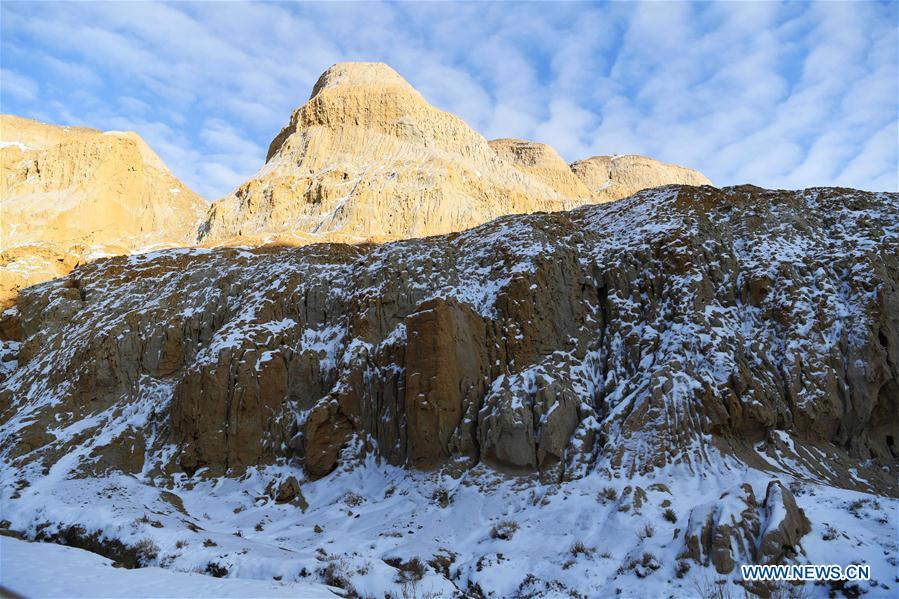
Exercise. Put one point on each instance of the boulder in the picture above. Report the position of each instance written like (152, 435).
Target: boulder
(288, 491)
(783, 526)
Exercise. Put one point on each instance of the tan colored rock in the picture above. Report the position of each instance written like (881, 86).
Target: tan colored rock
(445, 370)
(69, 194)
(784, 526)
(613, 177)
(543, 163)
(30, 264)
(368, 158)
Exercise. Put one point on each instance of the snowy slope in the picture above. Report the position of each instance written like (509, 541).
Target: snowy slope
(373, 515)
(41, 570)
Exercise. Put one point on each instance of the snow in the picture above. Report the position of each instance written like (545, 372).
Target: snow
(374, 513)
(15, 144)
(39, 570)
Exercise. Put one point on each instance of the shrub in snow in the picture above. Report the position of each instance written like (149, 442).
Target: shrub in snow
(217, 570)
(335, 574)
(578, 548)
(606, 495)
(642, 567)
(504, 530)
(146, 551)
(410, 571)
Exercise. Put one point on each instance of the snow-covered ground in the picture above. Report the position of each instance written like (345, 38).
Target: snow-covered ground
(47, 570)
(365, 527)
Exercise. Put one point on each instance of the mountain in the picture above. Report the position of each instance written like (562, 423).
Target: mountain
(642, 394)
(544, 164)
(366, 158)
(614, 177)
(70, 194)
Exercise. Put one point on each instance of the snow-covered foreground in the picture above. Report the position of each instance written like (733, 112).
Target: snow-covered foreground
(47, 570)
(364, 529)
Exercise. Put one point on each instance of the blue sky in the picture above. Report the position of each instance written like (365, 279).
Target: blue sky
(779, 95)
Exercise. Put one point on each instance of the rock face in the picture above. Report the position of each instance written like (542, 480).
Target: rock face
(367, 158)
(613, 177)
(543, 163)
(445, 369)
(70, 194)
(735, 529)
(676, 325)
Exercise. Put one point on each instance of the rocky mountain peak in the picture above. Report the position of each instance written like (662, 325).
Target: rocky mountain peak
(613, 177)
(355, 74)
(542, 162)
(368, 158)
(372, 97)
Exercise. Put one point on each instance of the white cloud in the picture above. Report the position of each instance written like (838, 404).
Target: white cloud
(17, 86)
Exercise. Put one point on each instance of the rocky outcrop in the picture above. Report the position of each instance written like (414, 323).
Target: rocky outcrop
(676, 325)
(784, 525)
(70, 194)
(613, 177)
(724, 532)
(288, 491)
(734, 529)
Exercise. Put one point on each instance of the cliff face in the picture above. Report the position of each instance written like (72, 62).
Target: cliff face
(69, 194)
(706, 377)
(667, 328)
(367, 158)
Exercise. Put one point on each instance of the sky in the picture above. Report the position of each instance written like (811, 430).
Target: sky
(779, 95)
